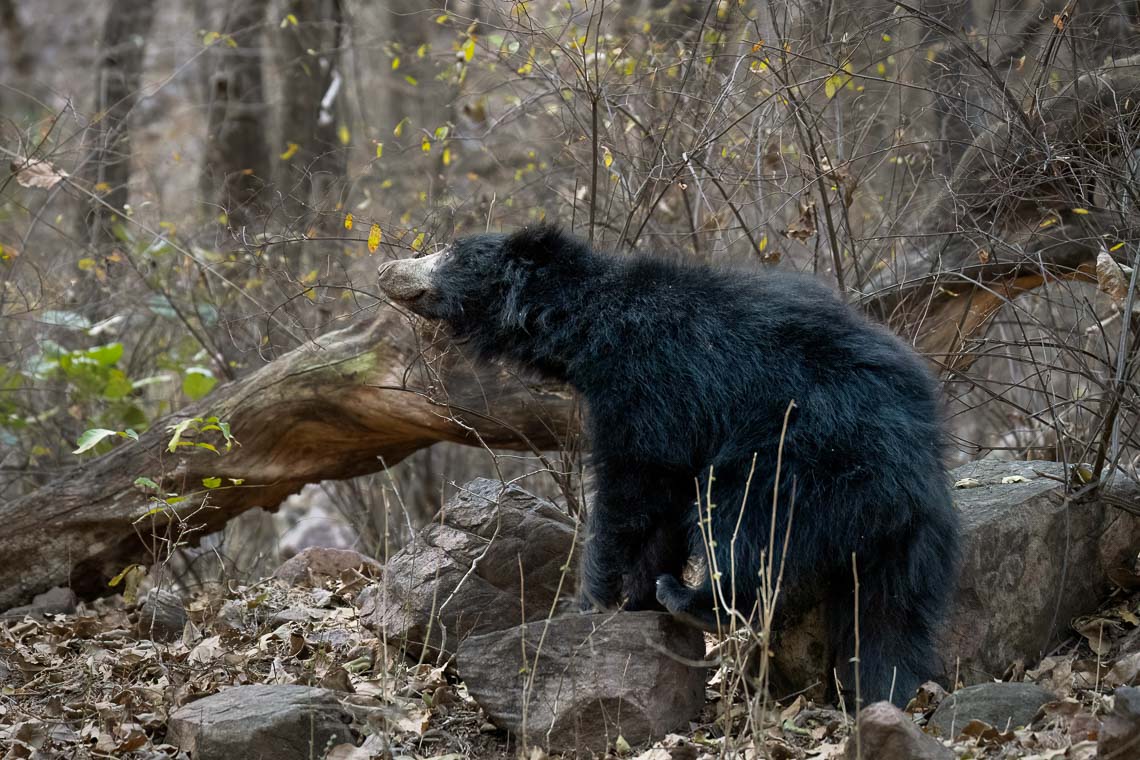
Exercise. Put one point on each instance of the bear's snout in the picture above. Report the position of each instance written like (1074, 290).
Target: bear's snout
(407, 280)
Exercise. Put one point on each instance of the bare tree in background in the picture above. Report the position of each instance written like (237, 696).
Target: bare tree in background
(237, 166)
(117, 77)
(309, 47)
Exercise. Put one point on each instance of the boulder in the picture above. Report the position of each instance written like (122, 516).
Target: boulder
(261, 723)
(884, 732)
(162, 616)
(55, 601)
(495, 557)
(1001, 705)
(317, 564)
(1032, 561)
(588, 679)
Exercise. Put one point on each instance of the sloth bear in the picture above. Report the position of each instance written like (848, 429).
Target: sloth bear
(744, 418)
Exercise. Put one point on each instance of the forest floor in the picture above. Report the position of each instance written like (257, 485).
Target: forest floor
(87, 685)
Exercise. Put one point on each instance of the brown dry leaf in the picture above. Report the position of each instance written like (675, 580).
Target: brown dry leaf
(1110, 278)
(1097, 632)
(804, 227)
(1125, 671)
(37, 173)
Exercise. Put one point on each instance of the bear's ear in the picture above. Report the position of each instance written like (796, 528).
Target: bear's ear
(541, 243)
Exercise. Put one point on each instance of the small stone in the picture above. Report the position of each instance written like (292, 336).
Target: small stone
(162, 616)
(594, 678)
(281, 722)
(318, 564)
(1000, 705)
(1120, 731)
(884, 732)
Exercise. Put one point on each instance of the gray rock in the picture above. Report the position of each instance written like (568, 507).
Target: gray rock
(162, 616)
(55, 601)
(1031, 563)
(588, 679)
(884, 732)
(317, 564)
(1120, 731)
(1000, 705)
(261, 723)
(496, 558)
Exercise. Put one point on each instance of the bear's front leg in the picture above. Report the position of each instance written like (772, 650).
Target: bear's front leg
(636, 531)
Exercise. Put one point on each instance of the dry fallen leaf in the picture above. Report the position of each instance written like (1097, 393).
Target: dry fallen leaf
(37, 173)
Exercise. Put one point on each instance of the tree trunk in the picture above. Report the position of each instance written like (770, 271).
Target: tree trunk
(312, 178)
(118, 74)
(348, 404)
(237, 168)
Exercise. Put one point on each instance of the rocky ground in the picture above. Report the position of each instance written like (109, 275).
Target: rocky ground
(314, 662)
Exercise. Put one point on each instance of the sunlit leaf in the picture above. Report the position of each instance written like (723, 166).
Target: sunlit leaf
(395, 63)
(469, 49)
(290, 151)
(447, 156)
(91, 438)
(348, 221)
(607, 158)
(373, 238)
(399, 130)
(418, 243)
(379, 149)
(1080, 211)
(343, 134)
(425, 144)
(211, 482)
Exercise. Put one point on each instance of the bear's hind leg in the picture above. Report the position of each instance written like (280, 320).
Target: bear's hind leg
(666, 552)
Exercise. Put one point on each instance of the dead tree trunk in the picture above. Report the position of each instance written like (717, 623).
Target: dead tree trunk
(118, 74)
(348, 404)
(237, 167)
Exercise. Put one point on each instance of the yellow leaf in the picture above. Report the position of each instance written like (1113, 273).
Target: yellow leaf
(829, 87)
(442, 19)
(1048, 222)
(469, 49)
(425, 145)
(447, 156)
(379, 149)
(886, 38)
(290, 151)
(373, 238)
(289, 20)
(608, 158)
(763, 243)
(1081, 211)
(1116, 247)
(421, 51)
(399, 130)
(418, 243)
(102, 187)
(395, 63)
(348, 221)
(343, 134)
(86, 264)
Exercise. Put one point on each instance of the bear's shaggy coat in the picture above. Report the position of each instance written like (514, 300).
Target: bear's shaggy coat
(689, 375)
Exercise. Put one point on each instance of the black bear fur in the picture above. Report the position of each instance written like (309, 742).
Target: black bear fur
(687, 373)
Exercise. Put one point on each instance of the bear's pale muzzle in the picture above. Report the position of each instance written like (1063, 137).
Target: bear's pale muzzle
(408, 279)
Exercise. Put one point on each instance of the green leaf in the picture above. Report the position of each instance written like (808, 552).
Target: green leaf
(197, 382)
(176, 432)
(211, 482)
(146, 482)
(90, 438)
(106, 355)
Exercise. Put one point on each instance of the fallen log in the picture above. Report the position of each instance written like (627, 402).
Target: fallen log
(349, 403)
